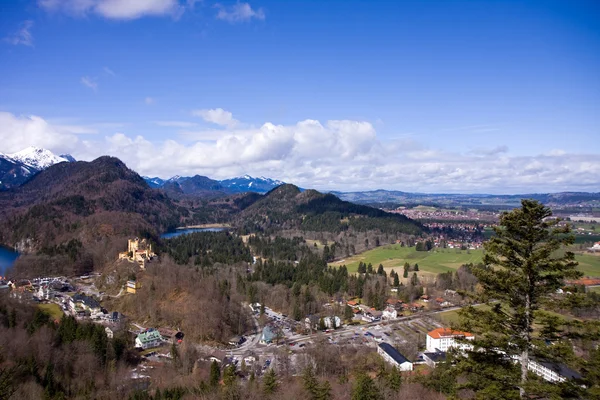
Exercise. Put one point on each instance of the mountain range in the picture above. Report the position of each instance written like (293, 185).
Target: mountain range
(17, 168)
(198, 185)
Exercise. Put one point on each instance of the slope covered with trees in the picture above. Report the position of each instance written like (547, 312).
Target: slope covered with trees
(92, 205)
(286, 207)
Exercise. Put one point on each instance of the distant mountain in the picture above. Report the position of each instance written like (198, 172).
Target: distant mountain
(155, 182)
(38, 158)
(288, 207)
(87, 201)
(475, 200)
(247, 183)
(16, 168)
(12, 172)
(203, 185)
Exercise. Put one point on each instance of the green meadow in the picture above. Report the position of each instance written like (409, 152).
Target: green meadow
(439, 260)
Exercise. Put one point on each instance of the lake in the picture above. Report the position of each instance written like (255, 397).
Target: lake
(180, 232)
(7, 259)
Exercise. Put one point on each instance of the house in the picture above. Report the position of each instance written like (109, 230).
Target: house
(434, 358)
(595, 247)
(389, 313)
(352, 303)
(393, 357)
(426, 298)
(372, 315)
(268, 335)
(133, 287)
(312, 322)
(332, 322)
(44, 293)
(170, 335)
(237, 340)
(552, 371)
(115, 317)
(442, 339)
(148, 339)
(83, 302)
(109, 332)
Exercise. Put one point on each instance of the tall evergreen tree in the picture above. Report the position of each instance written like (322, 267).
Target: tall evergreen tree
(215, 374)
(364, 388)
(270, 382)
(523, 265)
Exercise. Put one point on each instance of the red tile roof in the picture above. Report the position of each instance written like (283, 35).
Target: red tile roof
(446, 332)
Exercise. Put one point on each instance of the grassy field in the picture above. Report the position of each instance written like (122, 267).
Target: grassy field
(435, 262)
(52, 309)
(394, 256)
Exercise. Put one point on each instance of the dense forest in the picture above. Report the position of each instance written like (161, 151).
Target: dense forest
(206, 248)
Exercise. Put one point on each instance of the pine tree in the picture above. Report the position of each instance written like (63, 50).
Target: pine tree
(380, 270)
(396, 280)
(416, 267)
(414, 280)
(324, 391)
(522, 267)
(394, 380)
(270, 382)
(309, 382)
(215, 374)
(365, 389)
(405, 275)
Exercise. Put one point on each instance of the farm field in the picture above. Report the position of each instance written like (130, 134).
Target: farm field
(439, 261)
(394, 256)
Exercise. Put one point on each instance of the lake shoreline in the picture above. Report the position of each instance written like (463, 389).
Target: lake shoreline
(204, 226)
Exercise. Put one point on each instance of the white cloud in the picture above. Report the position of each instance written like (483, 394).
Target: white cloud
(19, 132)
(150, 100)
(341, 155)
(109, 71)
(22, 36)
(89, 82)
(238, 12)
(216, 116)
(114, 9)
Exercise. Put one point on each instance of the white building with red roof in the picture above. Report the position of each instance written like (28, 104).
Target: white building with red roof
(442, 339)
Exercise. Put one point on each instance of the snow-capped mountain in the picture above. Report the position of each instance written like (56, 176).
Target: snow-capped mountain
(37, 158)
(18, 167)
(247, 183)
(155, 182)
(240, 184)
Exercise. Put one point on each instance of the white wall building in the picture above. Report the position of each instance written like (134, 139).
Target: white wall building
(551, 371)
(442, 339)
(389, 313)
(393, 357)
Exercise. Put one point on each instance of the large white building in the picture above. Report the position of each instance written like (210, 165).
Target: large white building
(551, 371)
(442, 339)
(393, 356)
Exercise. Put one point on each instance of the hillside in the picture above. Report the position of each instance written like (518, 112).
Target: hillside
(287, 207)
(70, 208)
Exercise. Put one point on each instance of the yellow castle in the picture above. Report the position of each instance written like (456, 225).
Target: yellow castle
(139, 251)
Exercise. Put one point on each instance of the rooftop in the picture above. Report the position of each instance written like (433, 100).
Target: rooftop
(560, 369)
(436, 357)
(392, 352)
(446, 332)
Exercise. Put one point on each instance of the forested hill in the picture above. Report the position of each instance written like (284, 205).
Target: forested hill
(85, 201)
(286, 207)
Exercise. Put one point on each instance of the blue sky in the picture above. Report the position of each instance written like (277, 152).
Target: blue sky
(429, 96)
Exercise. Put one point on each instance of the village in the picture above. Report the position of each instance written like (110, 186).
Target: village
(407, 335)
